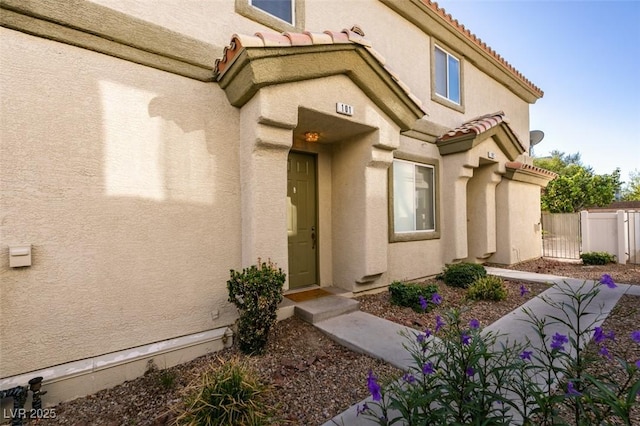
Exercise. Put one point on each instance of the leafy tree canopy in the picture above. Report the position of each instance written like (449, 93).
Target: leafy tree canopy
(631, 191)
(577, 187)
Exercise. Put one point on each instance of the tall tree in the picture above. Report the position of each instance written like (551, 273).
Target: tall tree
(631, 191)
(577, 187)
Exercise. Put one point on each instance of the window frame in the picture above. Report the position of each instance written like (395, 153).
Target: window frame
(248, 10)
(445, 100)
(414, 235)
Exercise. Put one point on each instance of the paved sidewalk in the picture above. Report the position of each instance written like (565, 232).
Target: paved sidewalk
(380, 338)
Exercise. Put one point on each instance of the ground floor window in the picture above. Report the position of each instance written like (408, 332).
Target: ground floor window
(413, 197)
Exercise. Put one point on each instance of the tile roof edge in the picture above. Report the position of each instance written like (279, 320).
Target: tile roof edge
(267, 39)
(460, 28)
(518, 165)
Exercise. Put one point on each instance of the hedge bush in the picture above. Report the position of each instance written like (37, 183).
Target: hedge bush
(256, 292)
(487, 288)
(597, 258)
(405, 294)
(463, 274)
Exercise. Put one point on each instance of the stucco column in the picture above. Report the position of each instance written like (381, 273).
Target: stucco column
(455, 175)
(481, 213)
(263, 176)
(360, 220)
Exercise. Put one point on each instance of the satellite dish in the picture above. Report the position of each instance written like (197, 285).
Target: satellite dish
(535, 137)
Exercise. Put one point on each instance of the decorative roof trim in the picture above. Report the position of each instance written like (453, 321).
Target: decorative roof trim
(518, 171)
(104, 30)
(247, 65)
(434, 21)
(474, 131)
(481, 44)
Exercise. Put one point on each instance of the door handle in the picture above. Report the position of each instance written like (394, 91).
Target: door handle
(313, 237)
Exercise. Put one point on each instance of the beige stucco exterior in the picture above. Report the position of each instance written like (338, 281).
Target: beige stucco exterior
(139, 177)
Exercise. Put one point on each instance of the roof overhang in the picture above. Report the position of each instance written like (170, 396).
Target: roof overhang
(248, 66)
(528, 173)
(432, 20)
(473, 132)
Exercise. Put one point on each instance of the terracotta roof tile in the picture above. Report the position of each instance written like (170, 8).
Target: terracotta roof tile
(477, 41)
(339, 37)
(298, 39)
(477, 125)
(273, 39)
(517, 165)
(288, 39)
(319, 38)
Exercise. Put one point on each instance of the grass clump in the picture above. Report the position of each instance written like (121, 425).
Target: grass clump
(406, 294)
(463, 274)
(487, 288)
(230, 394)
(597, 258)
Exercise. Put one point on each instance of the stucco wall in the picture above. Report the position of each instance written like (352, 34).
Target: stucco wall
(404, 46)
(125, 181)
(519, 234)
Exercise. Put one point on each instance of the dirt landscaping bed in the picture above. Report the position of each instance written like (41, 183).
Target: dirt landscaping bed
(315, 379)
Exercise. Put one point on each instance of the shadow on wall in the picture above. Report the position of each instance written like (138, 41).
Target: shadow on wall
(125, 181)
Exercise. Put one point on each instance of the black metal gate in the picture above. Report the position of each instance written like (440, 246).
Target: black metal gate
(561, 235)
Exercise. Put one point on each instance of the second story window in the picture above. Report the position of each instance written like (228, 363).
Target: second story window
(281, 9)
(447, 75)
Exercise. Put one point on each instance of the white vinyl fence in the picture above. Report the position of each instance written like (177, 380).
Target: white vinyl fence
(617, 233)
(566, 235)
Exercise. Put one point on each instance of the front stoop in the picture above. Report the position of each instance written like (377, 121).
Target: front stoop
(323, 308)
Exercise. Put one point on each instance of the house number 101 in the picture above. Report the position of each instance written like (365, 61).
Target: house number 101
(344, 109)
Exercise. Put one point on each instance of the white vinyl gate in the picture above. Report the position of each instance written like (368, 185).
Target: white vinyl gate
(566, 235)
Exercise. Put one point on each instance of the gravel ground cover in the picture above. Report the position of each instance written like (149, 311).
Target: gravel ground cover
(314, 379)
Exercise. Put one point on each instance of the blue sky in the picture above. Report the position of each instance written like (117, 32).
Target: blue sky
(585, 56)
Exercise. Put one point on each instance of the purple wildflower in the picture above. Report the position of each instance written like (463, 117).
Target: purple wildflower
(421, 338)
(409, 378)
(571, 390)
(466, 339)
(427, 333)
(474, 323)
(636, 336)
(558, 340)
(436, 299)
(638, 363)
(423, 302)
(523, 290)
(604, 352)
(439, 323)
(428, 368)
(374, 387)
(608, 281)
(526, 355)
(598, 335)
(470, 371)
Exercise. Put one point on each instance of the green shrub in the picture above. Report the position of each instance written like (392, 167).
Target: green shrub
(231, 394)
(487, 288)
(462, 274)
(405, 294)
(597, 258)
(256, 291)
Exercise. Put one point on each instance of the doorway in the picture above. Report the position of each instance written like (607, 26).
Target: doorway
(302, 227)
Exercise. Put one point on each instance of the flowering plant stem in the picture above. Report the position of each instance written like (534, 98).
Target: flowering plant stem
(463, 375)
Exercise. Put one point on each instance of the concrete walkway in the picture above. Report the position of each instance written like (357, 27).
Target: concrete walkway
(380, 338)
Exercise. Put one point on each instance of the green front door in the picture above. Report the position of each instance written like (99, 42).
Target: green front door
(302, 227)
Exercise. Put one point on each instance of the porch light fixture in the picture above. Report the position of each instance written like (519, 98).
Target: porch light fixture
(311, 137)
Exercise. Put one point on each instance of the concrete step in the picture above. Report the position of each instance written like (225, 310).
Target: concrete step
(326, 307)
